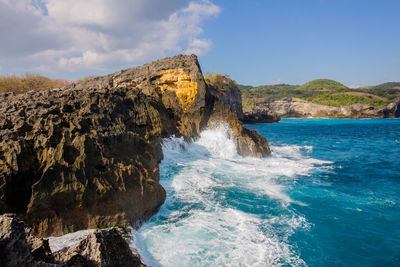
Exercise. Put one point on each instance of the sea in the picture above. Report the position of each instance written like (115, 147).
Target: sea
(328, 195)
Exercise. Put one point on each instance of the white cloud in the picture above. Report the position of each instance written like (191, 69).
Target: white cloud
(277, 81)
(71, 35)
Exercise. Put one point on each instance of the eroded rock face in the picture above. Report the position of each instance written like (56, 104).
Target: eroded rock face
(74, 159)
(101, 248)
(14, 248)
(87, 155)
(392, 110)
(259, 114)
(295, 107)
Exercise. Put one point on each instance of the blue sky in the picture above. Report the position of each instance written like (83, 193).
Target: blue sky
(255, 42)
(292, 41)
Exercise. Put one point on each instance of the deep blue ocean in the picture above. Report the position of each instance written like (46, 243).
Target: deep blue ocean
(329, 195)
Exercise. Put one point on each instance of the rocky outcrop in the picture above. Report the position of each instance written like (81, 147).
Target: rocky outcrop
(392, 110)
(86, 155)
(100, 248)
(231, 96)
(295, 107)
(259, 114)
(104, 247)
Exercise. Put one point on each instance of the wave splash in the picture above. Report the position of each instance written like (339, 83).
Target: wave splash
(224, 209)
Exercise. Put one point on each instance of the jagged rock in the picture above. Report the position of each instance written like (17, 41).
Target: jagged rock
(392, 110)
(86, 155)
(14, 248)
(100, 248)
(259, 114)
(232, 97)
(248, 142)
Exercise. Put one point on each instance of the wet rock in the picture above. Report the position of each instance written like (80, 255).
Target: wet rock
(86, 155)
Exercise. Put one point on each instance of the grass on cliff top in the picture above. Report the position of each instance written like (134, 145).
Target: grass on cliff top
(29, 81)
(221, 81)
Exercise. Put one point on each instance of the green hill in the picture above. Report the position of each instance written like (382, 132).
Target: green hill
(323, 85)
(387, 86)
(324, 91)
(244, 87)
(390, 90)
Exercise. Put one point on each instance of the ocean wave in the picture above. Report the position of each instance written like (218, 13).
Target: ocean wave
(216, 212)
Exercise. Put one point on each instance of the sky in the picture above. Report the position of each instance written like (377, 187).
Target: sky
(356, 42)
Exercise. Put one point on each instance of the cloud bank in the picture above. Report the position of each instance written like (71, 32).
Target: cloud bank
(85, 35)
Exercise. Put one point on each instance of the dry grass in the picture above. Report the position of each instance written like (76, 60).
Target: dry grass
(29, 81)
(221, 81)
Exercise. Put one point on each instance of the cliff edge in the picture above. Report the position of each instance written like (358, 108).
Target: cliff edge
(87, 155)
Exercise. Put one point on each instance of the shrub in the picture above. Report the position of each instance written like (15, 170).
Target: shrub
(221, 81)
(29, 81)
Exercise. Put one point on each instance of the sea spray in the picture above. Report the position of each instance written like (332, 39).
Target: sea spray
(224, 209)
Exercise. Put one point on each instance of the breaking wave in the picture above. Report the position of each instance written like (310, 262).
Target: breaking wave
(223, 209)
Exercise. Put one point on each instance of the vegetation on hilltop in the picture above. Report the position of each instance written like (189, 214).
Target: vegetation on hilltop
(244, 87)
(338, 100)
(271, 91)
(29, 81)
(325, 92)
(323, 85)
(221, 81)
(390, 90)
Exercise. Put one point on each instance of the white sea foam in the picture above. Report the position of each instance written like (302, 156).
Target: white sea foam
(199, 226)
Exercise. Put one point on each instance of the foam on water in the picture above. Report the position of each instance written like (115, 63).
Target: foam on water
(220, 206)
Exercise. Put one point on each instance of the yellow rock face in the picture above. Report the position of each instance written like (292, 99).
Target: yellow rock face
(181, 83)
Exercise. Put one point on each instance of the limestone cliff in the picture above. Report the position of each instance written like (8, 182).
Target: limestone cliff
(295, 107)
(87, 155)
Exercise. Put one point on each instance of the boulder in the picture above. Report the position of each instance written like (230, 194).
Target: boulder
(105, 247)
(392, 110)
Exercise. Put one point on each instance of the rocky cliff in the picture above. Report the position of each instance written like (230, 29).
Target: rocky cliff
(87, 155)
(392, 110)
(259, 114)
(295, 107)
(18, 247)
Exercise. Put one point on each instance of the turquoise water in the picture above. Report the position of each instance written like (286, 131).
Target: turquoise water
(329, 195)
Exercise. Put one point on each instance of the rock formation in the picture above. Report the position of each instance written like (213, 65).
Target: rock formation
(86, 155)
(392, 110)
(101, 248)
(295, 107)
(259, 114)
